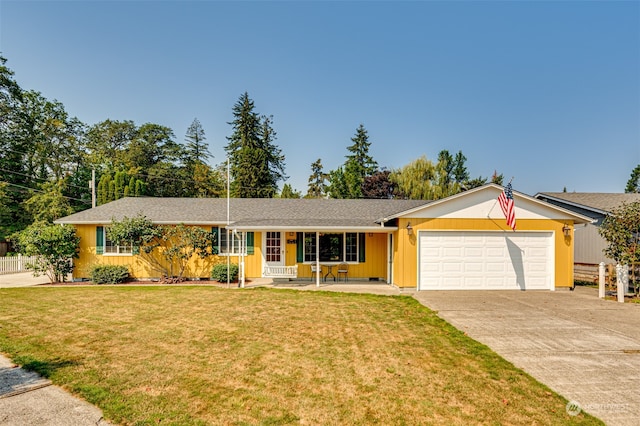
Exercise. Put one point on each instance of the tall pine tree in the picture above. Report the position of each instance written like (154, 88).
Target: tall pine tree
(257, 164)
(196, 149)
(359, 164)
(317, 187)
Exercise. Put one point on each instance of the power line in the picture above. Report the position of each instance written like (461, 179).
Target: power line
(39, 190)
(37, 178)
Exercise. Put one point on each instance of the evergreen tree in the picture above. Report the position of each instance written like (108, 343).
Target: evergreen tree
(196, 150)
(317, 187)
(633, 184)
(256, 163)
(460, 173)
(289, 192)
(273, 159)
(496, 178)
(337, 186)
(359, 163)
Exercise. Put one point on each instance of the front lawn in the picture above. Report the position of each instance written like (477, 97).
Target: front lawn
(202, 355)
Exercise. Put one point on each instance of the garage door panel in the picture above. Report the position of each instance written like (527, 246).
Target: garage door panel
(485, 260)
(452, 251)
(472, 267)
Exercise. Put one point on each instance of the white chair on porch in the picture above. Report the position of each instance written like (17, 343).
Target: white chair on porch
(315, 270)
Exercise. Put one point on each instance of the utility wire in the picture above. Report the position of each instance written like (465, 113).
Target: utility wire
(37, 178)
(39, 190)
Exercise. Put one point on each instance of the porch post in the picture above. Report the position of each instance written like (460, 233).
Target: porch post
(243, 246)
(317, 259)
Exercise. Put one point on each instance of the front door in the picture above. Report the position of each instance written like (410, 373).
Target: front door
(274, 255)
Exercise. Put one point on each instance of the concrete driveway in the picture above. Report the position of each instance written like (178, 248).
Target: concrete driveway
(584, 348)
(21, 279)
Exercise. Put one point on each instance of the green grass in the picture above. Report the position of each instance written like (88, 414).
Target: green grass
(202, 355)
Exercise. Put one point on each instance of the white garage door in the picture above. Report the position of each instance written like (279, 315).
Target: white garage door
(485, 260)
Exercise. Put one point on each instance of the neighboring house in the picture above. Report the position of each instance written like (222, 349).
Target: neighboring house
(589, 245)
(460, 242)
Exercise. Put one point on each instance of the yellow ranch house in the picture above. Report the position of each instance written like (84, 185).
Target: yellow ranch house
(458, 243)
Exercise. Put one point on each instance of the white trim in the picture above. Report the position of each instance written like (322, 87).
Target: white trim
(576, 217)
(362, 229)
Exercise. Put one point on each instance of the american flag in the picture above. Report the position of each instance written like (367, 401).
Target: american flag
(506, 203)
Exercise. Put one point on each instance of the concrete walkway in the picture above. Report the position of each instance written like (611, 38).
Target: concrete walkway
(21, 279)
(28, 399)
(584, 348)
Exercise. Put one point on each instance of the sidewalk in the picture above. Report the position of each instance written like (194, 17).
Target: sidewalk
(28, 399)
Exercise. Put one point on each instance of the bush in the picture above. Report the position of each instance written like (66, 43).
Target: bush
(109, 274)
(219, 272)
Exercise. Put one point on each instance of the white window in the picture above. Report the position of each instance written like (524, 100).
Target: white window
(220, 245)
(334, 247)
(111, 248)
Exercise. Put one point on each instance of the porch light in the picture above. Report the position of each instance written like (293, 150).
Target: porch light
(409, 229)
(566, 230)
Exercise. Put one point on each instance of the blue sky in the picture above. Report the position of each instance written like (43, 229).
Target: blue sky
(546, 92)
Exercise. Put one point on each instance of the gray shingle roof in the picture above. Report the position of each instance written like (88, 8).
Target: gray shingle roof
(596, 200)
(256, 212)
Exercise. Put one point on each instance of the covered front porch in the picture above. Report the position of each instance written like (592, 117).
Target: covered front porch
(327, 255)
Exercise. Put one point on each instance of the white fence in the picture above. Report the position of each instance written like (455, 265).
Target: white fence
(14, 264)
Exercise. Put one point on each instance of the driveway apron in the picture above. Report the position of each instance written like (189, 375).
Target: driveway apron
(584, 348)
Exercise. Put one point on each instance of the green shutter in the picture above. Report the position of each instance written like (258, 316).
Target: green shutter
(361, 239)
(135, 250)
(215, 247)
(299, 247)
(99, 239)
(250, 249)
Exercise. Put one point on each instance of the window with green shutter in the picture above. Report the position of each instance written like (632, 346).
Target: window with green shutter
(215, 248)
(99, 239)
(220, 242)
(334, 247)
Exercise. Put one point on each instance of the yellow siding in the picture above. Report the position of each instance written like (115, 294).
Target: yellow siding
(142, 269)
(405, 253)
(375, 265)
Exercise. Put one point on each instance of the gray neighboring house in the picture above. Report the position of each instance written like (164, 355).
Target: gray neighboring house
(589, 245)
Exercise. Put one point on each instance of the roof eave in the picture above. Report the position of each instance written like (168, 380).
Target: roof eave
(310, 228)
(572, 203)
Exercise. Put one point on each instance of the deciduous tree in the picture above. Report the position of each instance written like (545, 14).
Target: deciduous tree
(621, 230)
(48, 203)
(378, 185)
(54, 246)
(175, 244)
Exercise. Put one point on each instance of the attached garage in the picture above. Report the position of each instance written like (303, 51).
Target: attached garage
(463, 242)
(485, 260)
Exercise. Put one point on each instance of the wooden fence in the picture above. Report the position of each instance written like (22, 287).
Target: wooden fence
(588, 272)
(15, 264)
